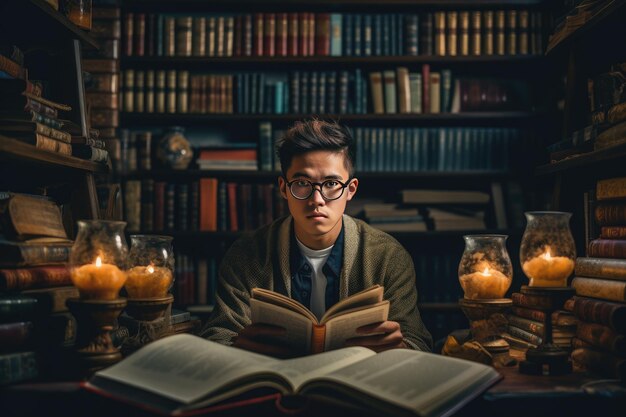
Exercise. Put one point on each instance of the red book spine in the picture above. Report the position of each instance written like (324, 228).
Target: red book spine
(322, 34)
(613, 232)
(311, 36)
(159, 203)
(128, 34)
(303, 25)
(603, 312)
(139, 34)
(293, 35)
(269, 34)
(610, 214)
(38, 277)
(607, 248)
(258, 34)
(231, 189)
(281, 34)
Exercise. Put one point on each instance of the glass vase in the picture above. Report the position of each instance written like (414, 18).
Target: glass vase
(98, 259)
(151, 266)
(547, 252)
(485, 270)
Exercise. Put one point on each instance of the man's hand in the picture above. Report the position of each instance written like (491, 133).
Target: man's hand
(264, 339)
(379, 336)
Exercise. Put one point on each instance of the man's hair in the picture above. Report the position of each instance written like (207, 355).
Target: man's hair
(316, 135)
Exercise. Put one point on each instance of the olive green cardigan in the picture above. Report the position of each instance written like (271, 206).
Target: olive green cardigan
(261, 259)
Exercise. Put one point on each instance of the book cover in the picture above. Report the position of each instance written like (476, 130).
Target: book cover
(611, 188)
(450, 383)
(17, 367)
(35, 277)
(604, 312)
(603, 289)
(601, 268)
(390, 93)
(607, 248)
(34, 252)
(602, 337)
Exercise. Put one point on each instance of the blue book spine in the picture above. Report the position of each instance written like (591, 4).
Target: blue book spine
(286, 98)
(331, 93)
(261, 105)
(222, 213)
(16, 367)
(358, 92)
(367, 35)
(343, 92)
(367, 150)
(377, 35)
(386, 35)
(279, 100)
(240, 91)
(400, 21)
(304, 93)
(358, 33)
(254, 93)
(348, 35)
(446, 90)
(314, 84)
(383, 149)
(336, 34)
(295, 92)
(321, 103)
(270, 97)
(358, 137)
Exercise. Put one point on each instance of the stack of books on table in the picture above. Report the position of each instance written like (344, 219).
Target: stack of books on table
(526, 328)
(35, 325)
(389, 217)
(600, 306)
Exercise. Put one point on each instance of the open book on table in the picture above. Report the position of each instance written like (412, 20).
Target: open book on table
(181, 373)
(308, 334)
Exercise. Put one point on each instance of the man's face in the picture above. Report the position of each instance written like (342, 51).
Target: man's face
(317, 221)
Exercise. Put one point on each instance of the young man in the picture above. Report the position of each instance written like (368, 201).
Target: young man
(317, 255)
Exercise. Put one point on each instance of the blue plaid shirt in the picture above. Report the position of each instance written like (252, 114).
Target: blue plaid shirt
(301, 272)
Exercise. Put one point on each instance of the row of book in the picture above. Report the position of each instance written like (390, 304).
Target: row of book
(399, 90)
(452, 32)
(203, 205)
(606, 219)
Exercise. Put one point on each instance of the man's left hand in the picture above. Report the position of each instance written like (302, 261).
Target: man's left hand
(379, 336)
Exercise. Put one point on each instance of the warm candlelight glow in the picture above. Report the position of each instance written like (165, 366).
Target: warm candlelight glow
(485, 283)
(546, 270)
(98, 281)
(148, 281)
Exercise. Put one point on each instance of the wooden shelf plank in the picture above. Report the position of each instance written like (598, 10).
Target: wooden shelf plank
(191, 118)
(594, 158)
(17, 150)
(45, 25)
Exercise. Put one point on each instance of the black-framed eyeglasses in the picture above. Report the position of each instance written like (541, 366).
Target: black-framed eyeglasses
(330, 189)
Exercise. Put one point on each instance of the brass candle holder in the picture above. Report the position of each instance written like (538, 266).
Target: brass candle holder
(97, 263)
(485, 274)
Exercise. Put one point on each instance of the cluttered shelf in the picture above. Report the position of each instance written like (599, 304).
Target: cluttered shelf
(18, 150)
(593, 20)
(40, 14)
(602, 158)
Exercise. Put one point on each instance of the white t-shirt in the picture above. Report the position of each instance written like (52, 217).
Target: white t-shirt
(317, 260)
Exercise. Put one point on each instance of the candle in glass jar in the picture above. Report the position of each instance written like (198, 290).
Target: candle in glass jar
(98, 281)
(485, 283)
(546, 270)
(148, 281)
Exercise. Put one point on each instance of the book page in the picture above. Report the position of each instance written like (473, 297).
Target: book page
(280, 300)
(425, 383)
(299, 370)
(369, 296)
(298, 327)
(185, 367)
(343, 326)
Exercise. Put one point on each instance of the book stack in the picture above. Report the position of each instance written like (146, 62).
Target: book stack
(25, 112)
(526, 325)
(388, 217)
(102, 89)
(607, 214)
(450, 209)
(600, 305)
(34, 284)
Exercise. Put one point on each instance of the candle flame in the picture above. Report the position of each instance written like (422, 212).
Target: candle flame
(547, 256)
(150, 269)
(486, 272)
(98, 262)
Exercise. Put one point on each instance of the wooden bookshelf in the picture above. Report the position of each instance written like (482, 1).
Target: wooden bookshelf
(53, 27)
(596, 160)
(13, 149)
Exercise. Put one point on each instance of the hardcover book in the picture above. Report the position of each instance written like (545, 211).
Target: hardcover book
(415, 383)
(308, 333)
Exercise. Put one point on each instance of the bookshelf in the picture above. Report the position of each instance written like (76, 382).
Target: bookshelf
(569, 184)
(531, 116)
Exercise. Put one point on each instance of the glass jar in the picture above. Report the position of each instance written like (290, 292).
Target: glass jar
(485, 270)
(547, 252)
(98, 259)
(151, 266)
(173, 150)
(79, 12)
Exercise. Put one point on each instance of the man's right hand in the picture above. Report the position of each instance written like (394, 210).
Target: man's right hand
(265, 339)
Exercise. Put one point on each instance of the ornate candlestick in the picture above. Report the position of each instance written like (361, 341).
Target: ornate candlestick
(547, 255)
(97, 262)
(485, 273)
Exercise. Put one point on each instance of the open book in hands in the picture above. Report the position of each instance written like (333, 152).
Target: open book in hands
(308, 334)
(182, 374)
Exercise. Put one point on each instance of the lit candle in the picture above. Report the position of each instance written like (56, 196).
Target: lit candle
(485, 283)
(98, 281)
(148, 281)
(546, 270)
